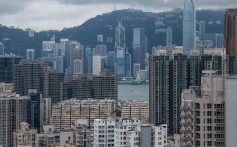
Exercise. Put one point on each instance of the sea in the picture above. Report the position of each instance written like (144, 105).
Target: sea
(129, 92)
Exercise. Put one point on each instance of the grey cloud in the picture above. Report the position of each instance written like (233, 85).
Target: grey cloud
(12, 6)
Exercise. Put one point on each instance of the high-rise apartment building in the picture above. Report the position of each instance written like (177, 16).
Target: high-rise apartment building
(230, 111)
(66, 112)
(24, 136)
(189, 26)
(136, 109)
(105, 86)
(203, 113)
(28, 74)
(13, 112)
(230, 42)
(6, 67)
(51, 84)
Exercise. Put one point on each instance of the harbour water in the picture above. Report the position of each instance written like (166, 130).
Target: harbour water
(128, 92)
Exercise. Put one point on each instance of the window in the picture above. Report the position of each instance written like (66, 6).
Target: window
(209, 121)
(209, 135)
(209, 106)
(209, 128)
(209, 113)
(209, 143)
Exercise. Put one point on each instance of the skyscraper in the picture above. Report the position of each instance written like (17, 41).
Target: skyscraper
(13, 112)
(202, 30)
(28, 74)
(120, 50)
(189, 26)
(87, 60)
(169, 39)
(231, 33)
(139, 46)
(6, 67)
(30, 54)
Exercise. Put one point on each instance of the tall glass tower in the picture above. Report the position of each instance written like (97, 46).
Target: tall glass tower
(189, 26)
(120, 50)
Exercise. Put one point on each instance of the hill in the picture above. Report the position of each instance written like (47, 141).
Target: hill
(17, 40)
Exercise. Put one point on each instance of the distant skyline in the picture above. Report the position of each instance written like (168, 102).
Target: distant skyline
(58, 14)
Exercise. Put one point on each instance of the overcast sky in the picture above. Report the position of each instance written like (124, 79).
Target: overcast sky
(58, 14)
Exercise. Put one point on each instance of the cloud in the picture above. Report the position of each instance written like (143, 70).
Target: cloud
(58, 14)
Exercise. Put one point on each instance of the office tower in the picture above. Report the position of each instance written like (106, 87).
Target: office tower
(87, 60)
(66, 112)
(139, 46)
(120, 49)
(111, 61)
(56, 62)
(120, 62)
(189, 26)
(65, 89)
(98, 64)
(169, 39)
(202, 30)
(51, 88)
(78, 66)
(230, 111)
(6, 67)
(105, 86)
(203, 113)
(57, 50)
(136, 71)
(100, 38)
(76, 54)
(28, 74)
(136, 109)
(47, 48)
(231, 33)
(13, 112)
(82, 87)
(100, 50)
(159, 93)
(25, 136)
(34, 116)
(30, 54)
(128, 64)
(65, 52)
(2, 49)
(219, 41)
(143, 75)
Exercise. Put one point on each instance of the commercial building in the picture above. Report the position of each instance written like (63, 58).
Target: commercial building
(189, 26)
(2, 49)
(6, 67)
(30, 54)
(203, 112)
(13, 112)
(135, 109)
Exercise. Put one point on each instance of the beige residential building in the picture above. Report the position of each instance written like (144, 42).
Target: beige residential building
(25, 136)
(136, 109)
(202, 113)
(66, 112)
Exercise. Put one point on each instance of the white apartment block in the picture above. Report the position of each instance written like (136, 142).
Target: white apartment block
(136, 109)
(128, 133)
(203, 113)
(66, 112)
(104, 132)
